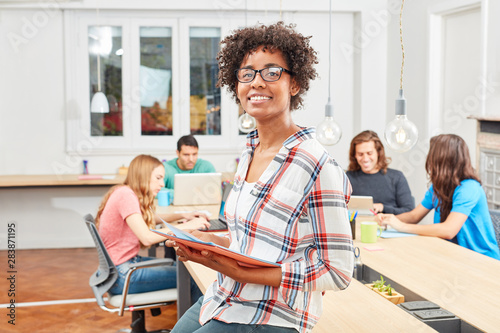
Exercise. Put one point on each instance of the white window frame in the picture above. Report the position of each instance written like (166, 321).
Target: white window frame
(79, 139)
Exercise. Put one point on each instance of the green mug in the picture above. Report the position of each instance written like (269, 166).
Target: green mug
(370, 232)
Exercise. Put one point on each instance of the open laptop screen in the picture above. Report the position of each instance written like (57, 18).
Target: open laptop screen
(197, 189)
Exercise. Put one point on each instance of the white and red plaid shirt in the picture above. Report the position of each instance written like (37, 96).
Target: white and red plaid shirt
(296, 215)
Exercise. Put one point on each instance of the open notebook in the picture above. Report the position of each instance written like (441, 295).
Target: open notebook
(189, 240)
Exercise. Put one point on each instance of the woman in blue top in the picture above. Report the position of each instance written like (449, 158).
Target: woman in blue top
(461, 211)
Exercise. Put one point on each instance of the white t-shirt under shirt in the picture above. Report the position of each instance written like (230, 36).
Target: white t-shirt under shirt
(120, 241)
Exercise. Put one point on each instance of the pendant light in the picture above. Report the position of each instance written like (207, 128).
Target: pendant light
(99, 103)
(246, 123)
(328, 132)
(401, 134)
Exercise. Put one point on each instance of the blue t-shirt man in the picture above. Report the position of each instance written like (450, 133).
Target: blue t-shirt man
(477, 232)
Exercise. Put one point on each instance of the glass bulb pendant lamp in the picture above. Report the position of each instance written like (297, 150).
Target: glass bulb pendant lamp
(328, 132)
(401, 134)
(246, 123)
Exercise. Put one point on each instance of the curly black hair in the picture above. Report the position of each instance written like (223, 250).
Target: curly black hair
(299, 55)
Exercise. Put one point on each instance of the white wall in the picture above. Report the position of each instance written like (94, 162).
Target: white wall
(365, 82)
(33, 87)
(420, 84)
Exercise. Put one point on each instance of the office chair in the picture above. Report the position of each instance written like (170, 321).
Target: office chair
(495, 218)
(105, 276)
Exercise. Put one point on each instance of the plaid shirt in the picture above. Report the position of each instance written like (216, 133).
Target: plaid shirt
(297, 217)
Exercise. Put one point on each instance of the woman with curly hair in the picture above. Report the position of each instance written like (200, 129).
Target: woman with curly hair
(124, 220)
(369, 175)
(287, 204)
(461, 211)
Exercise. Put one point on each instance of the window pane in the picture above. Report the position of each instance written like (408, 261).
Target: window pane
(204, 96)
(105, 66)
(156, 80)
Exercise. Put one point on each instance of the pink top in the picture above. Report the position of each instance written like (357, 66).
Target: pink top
(120, 241)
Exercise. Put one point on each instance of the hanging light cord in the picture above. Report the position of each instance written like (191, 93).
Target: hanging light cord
(402, 46)
(98, 56)
(281, 6)
(330, 53)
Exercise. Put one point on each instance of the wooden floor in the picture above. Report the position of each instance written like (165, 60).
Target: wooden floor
(63, 274)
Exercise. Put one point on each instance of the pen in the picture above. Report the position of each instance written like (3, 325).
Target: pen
(355, 216)
(373, 212)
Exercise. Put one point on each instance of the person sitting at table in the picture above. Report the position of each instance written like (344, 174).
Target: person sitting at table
(370, 176)
(461, 212)
(288, 203)
(187, 161)
(124, 220)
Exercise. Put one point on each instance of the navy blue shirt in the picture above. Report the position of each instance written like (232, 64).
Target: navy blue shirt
(390, 189)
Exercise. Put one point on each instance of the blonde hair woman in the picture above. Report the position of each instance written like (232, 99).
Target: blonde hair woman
(124, 220)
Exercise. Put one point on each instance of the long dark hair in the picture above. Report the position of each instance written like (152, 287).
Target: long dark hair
(367, 136)
(448, 163)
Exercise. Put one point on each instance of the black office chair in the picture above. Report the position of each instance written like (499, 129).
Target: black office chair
(105, 276)
(495, 218)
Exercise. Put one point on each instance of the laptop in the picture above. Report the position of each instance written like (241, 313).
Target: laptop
(220, 222)
(197, 189)
(362, 204)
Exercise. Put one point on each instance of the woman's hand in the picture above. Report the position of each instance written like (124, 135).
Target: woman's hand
(390, 220)
(198, 223)
(192, 215)
(203, 236)
(230, 267)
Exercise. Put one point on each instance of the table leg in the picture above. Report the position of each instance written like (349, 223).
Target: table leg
(183, 289)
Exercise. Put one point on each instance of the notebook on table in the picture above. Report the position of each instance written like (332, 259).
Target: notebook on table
(362, 204)
(197, 189)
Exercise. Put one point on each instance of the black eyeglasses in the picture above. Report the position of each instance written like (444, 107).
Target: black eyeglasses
(269, 74)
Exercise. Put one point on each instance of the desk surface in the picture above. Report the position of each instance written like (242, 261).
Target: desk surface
(459, 280)
(355, 309)
(56, 180)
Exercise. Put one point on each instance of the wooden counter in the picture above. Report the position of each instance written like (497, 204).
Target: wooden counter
(355, 309)
(57, 180)
(459, 280)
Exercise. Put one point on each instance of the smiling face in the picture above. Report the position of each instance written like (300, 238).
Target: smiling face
(266, 100)
(157, 179)
(367, 157)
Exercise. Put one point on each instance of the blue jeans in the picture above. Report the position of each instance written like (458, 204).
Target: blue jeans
(149, 279)
(145, 279)
(189, 323)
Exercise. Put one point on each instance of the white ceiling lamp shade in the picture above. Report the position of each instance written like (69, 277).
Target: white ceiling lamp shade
(328, 132)
(400, 133)
(99, 103)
